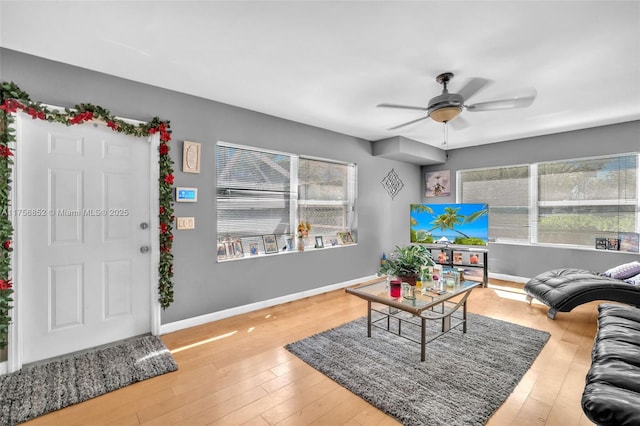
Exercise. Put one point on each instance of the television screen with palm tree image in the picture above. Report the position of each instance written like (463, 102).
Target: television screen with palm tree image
(461, 223)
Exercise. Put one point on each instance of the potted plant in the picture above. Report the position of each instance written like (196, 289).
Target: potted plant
(407, 263)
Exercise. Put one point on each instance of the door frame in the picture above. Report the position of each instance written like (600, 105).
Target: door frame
(15, 338)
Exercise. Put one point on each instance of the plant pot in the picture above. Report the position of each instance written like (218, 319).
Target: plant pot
(409, 279)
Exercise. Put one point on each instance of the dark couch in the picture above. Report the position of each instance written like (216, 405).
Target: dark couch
(612, 393)
(564, 289)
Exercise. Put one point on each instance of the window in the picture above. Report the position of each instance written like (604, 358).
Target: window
(566, 202)
(579, 200)
(253, 192)
(263, 192)
(506, 190)
(326, 193)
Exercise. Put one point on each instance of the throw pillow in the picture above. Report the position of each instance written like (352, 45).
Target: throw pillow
(624, 271)
(635, 280)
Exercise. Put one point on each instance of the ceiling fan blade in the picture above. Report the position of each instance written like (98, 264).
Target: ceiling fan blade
(518, 102)
(472, 87)
(407, 123)
(402, 107)
(459, 123)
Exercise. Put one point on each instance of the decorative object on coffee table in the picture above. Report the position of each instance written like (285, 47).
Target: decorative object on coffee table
(407, 263)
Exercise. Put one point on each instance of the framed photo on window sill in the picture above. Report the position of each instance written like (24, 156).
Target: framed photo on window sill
(270, 244)
(345, 237)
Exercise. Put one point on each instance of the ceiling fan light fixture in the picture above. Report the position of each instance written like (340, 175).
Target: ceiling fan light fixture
(442, 115)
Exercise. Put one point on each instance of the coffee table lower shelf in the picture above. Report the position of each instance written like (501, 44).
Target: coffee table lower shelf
(389, 316)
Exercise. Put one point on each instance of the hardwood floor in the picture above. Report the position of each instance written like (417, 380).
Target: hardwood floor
(236, 371)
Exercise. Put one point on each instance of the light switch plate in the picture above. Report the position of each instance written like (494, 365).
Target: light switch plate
(186, 223)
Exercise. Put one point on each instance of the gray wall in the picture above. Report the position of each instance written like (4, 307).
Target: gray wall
(529, 260)
(203, 286)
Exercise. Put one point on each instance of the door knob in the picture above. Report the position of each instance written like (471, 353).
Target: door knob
(144, 225)
(144, 249)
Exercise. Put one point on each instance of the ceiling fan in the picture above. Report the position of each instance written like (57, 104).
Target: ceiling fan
(446, 107)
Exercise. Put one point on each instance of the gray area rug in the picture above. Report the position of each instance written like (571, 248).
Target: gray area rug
(40, 388)
(464, 380)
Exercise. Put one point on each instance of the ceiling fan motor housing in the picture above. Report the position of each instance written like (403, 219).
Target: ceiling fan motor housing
(445, 107)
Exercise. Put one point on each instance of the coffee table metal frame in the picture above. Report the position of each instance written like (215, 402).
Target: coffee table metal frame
(425, 307)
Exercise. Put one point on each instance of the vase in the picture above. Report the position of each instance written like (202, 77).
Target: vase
(300, 244)
(408, 291)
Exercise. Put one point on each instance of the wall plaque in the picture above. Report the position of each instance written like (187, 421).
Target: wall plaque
(190, 157)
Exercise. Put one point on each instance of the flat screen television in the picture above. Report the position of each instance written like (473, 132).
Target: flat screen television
(454, 223)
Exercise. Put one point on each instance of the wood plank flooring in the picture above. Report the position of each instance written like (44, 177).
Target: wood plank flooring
(236, 372)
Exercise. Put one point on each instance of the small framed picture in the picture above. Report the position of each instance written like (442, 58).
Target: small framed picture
(222, 251)
(237, 244)
(613, 244)
(629, 241)
(345, 237)
(270, 243)
(601, 243)
(230, 248)
(253, 249)
(319, 242)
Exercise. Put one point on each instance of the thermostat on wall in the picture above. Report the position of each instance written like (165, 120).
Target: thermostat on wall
(186, 195)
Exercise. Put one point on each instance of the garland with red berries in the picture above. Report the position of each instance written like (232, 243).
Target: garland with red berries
(13, 100)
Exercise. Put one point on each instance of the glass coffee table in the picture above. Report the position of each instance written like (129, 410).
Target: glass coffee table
(429, 306)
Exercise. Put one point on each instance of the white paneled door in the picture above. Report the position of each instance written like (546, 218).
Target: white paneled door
(83, 237)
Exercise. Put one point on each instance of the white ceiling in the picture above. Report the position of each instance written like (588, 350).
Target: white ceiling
(328, 64)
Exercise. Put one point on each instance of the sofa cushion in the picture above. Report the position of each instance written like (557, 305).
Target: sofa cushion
(612, 393)
(621, 272)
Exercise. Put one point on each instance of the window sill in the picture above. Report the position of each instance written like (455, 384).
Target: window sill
(309, 249)
(560, 246)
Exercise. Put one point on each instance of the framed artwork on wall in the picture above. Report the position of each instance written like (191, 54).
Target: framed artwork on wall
(190, 157)
(437, 184)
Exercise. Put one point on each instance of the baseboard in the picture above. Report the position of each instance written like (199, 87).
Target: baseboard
(215, 316)
(505, 277)
(3, 368)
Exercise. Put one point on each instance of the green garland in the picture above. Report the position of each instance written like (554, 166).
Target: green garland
(12, 100)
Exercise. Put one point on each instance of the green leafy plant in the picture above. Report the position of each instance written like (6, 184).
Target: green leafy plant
(406, 261)
(14, 100)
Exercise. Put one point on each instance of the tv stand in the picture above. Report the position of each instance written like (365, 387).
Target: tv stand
(467, 258)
